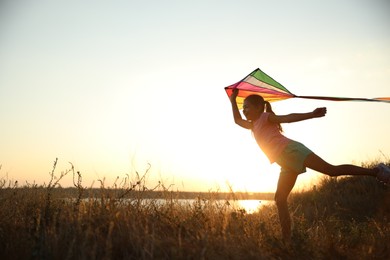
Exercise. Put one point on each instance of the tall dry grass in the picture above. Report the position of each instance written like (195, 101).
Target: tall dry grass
(344, 218)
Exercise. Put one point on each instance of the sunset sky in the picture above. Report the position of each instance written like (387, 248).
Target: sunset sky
(113, 86)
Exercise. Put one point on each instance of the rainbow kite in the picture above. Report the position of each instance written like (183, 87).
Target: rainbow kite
(260, 83)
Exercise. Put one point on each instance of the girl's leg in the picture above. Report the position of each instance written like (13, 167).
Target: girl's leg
(316, 163)
(285, 184)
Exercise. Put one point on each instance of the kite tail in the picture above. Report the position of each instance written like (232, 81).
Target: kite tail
(382, 99)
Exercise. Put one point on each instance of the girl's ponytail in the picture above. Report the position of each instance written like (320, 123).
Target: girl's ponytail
(268, 109)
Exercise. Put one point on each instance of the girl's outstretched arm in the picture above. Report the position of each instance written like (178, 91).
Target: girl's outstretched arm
(236, 113)
(295, 117)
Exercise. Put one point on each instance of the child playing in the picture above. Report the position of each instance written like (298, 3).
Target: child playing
(292, 156)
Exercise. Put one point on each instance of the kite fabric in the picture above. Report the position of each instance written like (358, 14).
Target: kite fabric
(260, 83)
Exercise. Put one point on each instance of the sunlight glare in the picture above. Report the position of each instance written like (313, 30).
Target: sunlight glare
(251, 206)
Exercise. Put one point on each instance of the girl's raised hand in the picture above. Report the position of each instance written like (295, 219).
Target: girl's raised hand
(319, 112)
(234, 94)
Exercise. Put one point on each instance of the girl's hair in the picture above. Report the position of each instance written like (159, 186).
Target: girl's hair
(265, 106)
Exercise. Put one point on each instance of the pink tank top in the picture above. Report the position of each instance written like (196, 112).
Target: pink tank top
(268, 137)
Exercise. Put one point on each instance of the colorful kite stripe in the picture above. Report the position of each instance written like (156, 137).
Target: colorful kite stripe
(260, 83)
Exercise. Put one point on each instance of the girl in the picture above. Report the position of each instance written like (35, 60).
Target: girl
(293, 157)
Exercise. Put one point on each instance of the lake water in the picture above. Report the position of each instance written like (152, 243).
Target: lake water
(250, 206)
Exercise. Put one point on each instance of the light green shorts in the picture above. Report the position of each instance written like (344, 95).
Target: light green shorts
(293, 158)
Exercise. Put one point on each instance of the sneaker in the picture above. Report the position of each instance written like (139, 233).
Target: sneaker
(383, 174)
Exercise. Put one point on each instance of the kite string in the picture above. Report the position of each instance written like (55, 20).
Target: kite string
(386, 100)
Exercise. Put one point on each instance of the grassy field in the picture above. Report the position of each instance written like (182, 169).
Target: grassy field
(343, 218)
